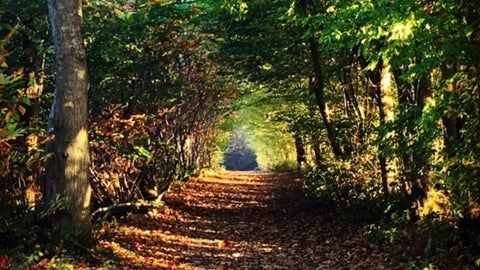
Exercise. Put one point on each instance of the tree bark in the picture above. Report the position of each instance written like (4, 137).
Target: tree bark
(318, 87)
(414, 164)
(453, 123)
(352, 100)
(300, 149)
(317, 152)
(67, 176)
(374, 81)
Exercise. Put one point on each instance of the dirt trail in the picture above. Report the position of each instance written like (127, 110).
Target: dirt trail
(239, 221)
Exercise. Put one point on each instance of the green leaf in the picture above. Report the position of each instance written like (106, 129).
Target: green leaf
(141, 151)
(372, 65)
(26, 101)
(120, 14)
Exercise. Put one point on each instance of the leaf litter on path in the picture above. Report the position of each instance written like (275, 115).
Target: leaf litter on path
(239, 220)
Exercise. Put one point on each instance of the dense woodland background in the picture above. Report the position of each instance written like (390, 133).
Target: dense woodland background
(378, 102)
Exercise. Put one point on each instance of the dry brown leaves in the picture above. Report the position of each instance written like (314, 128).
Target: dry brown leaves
(239, 221)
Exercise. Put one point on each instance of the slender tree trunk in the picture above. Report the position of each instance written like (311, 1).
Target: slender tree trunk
(452, 124)
(414, 164)
(300, 148)
(375, 78)
(352, 99)
(318, 87)
(375, 83)
(316, 141)
(67, 177)
(317, 152)
(407, 159)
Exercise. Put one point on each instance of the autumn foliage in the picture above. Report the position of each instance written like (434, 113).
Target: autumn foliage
(152, 117)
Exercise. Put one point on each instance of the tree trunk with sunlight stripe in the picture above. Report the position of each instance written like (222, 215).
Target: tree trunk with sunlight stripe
(67, 175)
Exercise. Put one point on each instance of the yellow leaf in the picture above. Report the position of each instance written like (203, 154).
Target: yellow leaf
(21, 109)
(17, 75)
(32, 160)
(9, 116)
(4, 169)
(32, 142)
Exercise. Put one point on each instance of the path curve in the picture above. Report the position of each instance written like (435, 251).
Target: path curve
(239, 220)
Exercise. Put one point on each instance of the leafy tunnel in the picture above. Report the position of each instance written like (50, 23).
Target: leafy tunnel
(359, 114)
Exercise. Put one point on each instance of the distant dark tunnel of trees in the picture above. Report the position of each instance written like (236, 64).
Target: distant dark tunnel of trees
(239, 156)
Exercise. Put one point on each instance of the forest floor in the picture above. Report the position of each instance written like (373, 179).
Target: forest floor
(239, 221)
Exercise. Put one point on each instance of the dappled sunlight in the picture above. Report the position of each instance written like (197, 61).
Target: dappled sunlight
(76, 164)
(252, 182)
(240, 134)
(76, 152)
(227, 220)
(135, 258)
(404, 30)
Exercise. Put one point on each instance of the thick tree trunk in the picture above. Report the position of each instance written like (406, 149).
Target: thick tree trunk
(67, 177)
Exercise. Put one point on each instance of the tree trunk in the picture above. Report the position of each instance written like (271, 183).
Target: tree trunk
(452, 123)
(300, 149)
(318, 88)
(414, 163)
(317, 152)
(375, 80)
(67, 176)
(352, 100)
(317, 85)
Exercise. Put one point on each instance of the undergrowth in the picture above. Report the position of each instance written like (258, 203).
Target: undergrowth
(388, 220)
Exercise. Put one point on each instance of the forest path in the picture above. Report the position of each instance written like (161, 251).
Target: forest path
(239, 221)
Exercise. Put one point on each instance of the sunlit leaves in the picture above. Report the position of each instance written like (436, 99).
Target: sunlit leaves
(403, 31)
(237, 8)
(141, 151)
